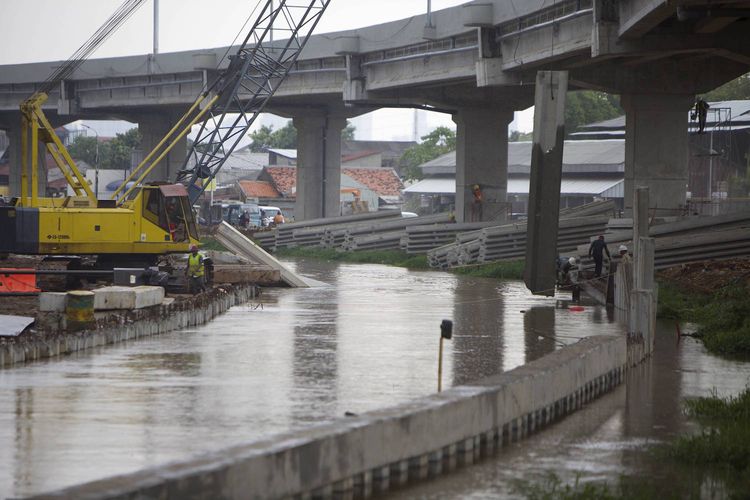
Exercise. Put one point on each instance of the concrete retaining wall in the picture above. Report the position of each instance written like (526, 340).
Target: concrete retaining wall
(357, 456)
(129, 325)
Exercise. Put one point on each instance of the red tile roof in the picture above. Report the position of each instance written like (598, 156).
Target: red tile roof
(284, 179)
(383, 181)
(259, 189)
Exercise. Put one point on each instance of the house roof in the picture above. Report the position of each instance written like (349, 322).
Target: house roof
(284, 179)
(389, 149)
(587, 156)
(358, 155)
(383, 181)
(259, 189)
(286, 153)
(570, 187)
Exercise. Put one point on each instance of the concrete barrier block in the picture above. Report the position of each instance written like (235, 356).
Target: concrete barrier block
(129, 298)
(52, 301)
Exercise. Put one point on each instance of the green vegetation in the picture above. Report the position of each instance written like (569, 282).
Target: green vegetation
(438, 142)
(723, 317)
(499, 270)
(553, 488)
(724, 440)
(737, 89)
(587, 106)
(112, 154)
(388, 257)
(506, 270)
(208, 243)
(266, 137)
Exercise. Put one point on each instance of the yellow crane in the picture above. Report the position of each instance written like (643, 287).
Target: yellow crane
(150, 219)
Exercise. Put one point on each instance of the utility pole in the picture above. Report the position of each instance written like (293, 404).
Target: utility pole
(96, 160)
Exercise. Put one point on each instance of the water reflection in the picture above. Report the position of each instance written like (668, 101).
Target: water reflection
(610, 439)
(366, 341)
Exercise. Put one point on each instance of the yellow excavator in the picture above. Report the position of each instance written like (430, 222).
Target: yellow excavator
(145, 220)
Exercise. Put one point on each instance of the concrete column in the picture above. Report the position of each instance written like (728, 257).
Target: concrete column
(318, 166)
(482, 158)
(14, 160)
(656, 149)
(153, 128)
(544, 185)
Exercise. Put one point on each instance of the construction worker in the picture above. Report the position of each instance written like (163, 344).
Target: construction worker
(701, 112)
(195, 271)
(624, 255)
(597, 250)
(476, 206)
(278, 219)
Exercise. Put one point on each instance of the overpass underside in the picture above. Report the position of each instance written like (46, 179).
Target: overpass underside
(478, 62)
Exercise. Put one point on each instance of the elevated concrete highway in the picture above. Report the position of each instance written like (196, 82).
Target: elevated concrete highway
(478, 61)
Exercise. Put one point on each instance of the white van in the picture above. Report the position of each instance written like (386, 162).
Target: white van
(267, 214)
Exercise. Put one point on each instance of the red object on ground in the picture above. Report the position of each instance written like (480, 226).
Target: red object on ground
(17, 283)
(576, 308)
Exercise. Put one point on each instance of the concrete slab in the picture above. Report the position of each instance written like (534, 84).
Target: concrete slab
(12, 326)
(52, 301)
(122, 297)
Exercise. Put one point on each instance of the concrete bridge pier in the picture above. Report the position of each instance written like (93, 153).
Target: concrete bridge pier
(11, 123)
(153, 128)
(318, 165)
(482, 159)
(656, 149)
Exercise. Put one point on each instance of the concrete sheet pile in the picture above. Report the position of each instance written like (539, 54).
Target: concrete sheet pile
(691, 239)
(508, 242)
(285, 234)
(386, 235)
(241, 245)
(421, 239)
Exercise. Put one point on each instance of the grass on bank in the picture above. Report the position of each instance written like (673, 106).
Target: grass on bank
(397, 258)
(724, 440)
(723, 317)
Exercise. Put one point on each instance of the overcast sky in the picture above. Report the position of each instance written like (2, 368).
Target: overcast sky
(44, 30)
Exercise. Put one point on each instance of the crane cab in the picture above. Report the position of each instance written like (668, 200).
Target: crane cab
(154, 219)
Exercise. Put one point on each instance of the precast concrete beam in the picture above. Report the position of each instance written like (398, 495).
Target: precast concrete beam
(318, 165)
(544, 185)
(482, 159)
(656, 149)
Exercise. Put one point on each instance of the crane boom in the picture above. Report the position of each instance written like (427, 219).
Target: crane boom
(254, 74)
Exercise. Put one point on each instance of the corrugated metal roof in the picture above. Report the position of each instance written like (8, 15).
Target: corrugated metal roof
(578, 156)
(286, 153)
(433, 186)
(591, 187)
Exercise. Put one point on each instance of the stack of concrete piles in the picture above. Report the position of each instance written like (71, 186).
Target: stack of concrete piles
(681, 241)
(508, 241)
(386, 235)
(311, 233)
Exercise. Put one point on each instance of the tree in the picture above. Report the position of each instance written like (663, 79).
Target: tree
(347, 133)
(438, 142)
(266, 138)
(517, 136)
(737, 89)
(585, 106)
(84, 148)
(118, 152)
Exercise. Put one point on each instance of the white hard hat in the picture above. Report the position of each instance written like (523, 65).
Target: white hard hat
(623, 248)
(572, 260)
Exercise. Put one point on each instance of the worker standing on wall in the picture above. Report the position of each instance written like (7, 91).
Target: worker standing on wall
(476, 206)
(597, 250)
(278, 219)
(195, 271)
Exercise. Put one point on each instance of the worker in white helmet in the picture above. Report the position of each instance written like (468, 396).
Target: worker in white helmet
(624, 255)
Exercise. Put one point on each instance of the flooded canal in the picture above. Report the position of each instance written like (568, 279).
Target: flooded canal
(612, 438)
(296, 357)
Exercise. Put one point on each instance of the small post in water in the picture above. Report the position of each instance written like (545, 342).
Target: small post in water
(446, 332)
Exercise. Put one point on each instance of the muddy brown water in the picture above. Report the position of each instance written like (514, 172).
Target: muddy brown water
(367, 340)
